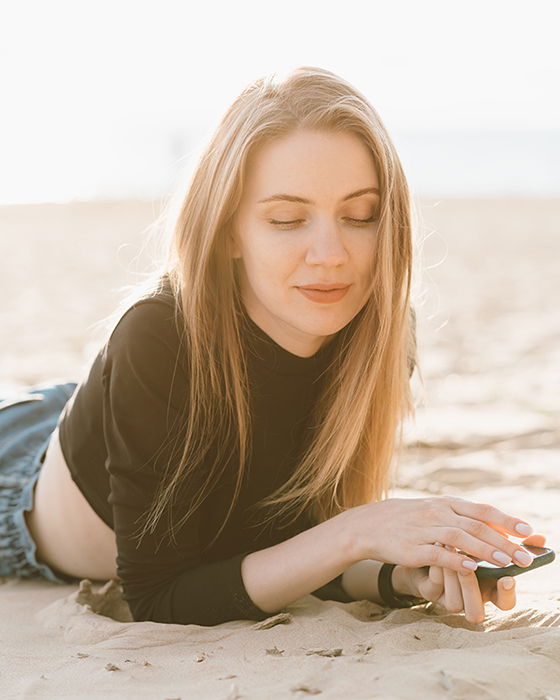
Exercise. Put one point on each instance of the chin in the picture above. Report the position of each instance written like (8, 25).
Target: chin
(325, 327)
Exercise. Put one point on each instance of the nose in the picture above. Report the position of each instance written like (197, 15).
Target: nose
(326, 246)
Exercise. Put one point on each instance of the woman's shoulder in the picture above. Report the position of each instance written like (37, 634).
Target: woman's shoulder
(149, 321)
(145, 358)
(157, 297)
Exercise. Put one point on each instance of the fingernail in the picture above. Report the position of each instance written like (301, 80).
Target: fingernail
(523, 529)
(472, 565)
(508, 584)
(502, 558)
(523, 557)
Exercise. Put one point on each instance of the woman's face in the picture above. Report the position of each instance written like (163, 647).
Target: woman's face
(306, 218)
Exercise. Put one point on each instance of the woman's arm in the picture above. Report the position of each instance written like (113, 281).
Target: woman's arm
(276, 576)
(360, 581)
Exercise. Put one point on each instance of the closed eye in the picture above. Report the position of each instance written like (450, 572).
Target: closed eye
(285, 223)
(293, 223)
(363, 221)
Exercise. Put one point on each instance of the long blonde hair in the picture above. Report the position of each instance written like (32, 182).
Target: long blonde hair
(358, 420)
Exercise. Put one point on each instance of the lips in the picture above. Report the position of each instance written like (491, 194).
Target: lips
(323, 293)
(323, 287)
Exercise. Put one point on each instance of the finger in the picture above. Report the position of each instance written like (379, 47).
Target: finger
(473, 532)
(506, 593)
(491, 516)
(529, 539)
(483, 542)
(428, 581)
(438, 556)
(536, 540)
(433, 587)
(435, 573)
(463, 593)
(453, 595)
(472, 598)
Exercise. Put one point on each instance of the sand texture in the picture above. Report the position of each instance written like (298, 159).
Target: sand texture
(487, 430)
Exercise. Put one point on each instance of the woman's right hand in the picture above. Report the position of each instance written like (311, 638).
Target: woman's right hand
(404, 531)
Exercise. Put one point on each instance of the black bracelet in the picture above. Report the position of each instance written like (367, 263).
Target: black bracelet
(387, 593)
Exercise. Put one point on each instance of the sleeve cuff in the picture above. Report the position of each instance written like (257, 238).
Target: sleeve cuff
(247, 609)
(243, 603)
(333, 590)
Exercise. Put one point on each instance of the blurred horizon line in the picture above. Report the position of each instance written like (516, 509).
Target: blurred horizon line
(149, 163)
(434, 198)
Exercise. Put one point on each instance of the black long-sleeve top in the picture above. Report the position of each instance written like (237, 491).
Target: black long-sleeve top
(118, 431)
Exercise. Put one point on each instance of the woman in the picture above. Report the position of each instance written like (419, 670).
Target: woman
(229, 450)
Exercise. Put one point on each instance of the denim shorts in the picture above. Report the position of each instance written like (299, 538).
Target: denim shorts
(27, 420)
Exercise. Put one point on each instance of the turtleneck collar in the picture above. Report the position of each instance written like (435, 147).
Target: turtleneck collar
(277, 358)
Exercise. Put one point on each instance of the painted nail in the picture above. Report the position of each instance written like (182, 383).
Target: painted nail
(472, 565)
(523, 557)
(523, 529)
(502, 558)
(508, 584)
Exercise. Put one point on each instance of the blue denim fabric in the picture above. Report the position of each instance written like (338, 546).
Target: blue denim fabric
(27, 420)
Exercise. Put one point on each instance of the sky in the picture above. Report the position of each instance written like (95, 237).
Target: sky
(104, 98)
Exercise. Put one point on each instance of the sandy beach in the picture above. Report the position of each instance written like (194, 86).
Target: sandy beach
(487, 430)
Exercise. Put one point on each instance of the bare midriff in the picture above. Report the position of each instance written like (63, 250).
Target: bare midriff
(70, 537)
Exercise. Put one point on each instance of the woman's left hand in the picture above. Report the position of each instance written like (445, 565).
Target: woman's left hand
(455, 592)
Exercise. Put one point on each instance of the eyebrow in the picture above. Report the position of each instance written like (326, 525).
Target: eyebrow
(301, 200)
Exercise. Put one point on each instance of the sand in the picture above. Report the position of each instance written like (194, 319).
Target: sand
(486, 430)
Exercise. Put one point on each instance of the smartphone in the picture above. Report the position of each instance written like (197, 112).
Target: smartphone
(543, 555)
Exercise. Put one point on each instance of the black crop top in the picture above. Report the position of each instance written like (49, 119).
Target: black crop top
(113, 434)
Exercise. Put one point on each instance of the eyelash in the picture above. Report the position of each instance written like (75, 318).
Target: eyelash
(288, 224)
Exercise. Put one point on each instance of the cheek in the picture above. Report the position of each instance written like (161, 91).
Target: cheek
(261, 270)
(272, 258)
(363, 253)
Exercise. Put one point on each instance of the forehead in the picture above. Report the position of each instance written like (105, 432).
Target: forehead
(309, 162)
